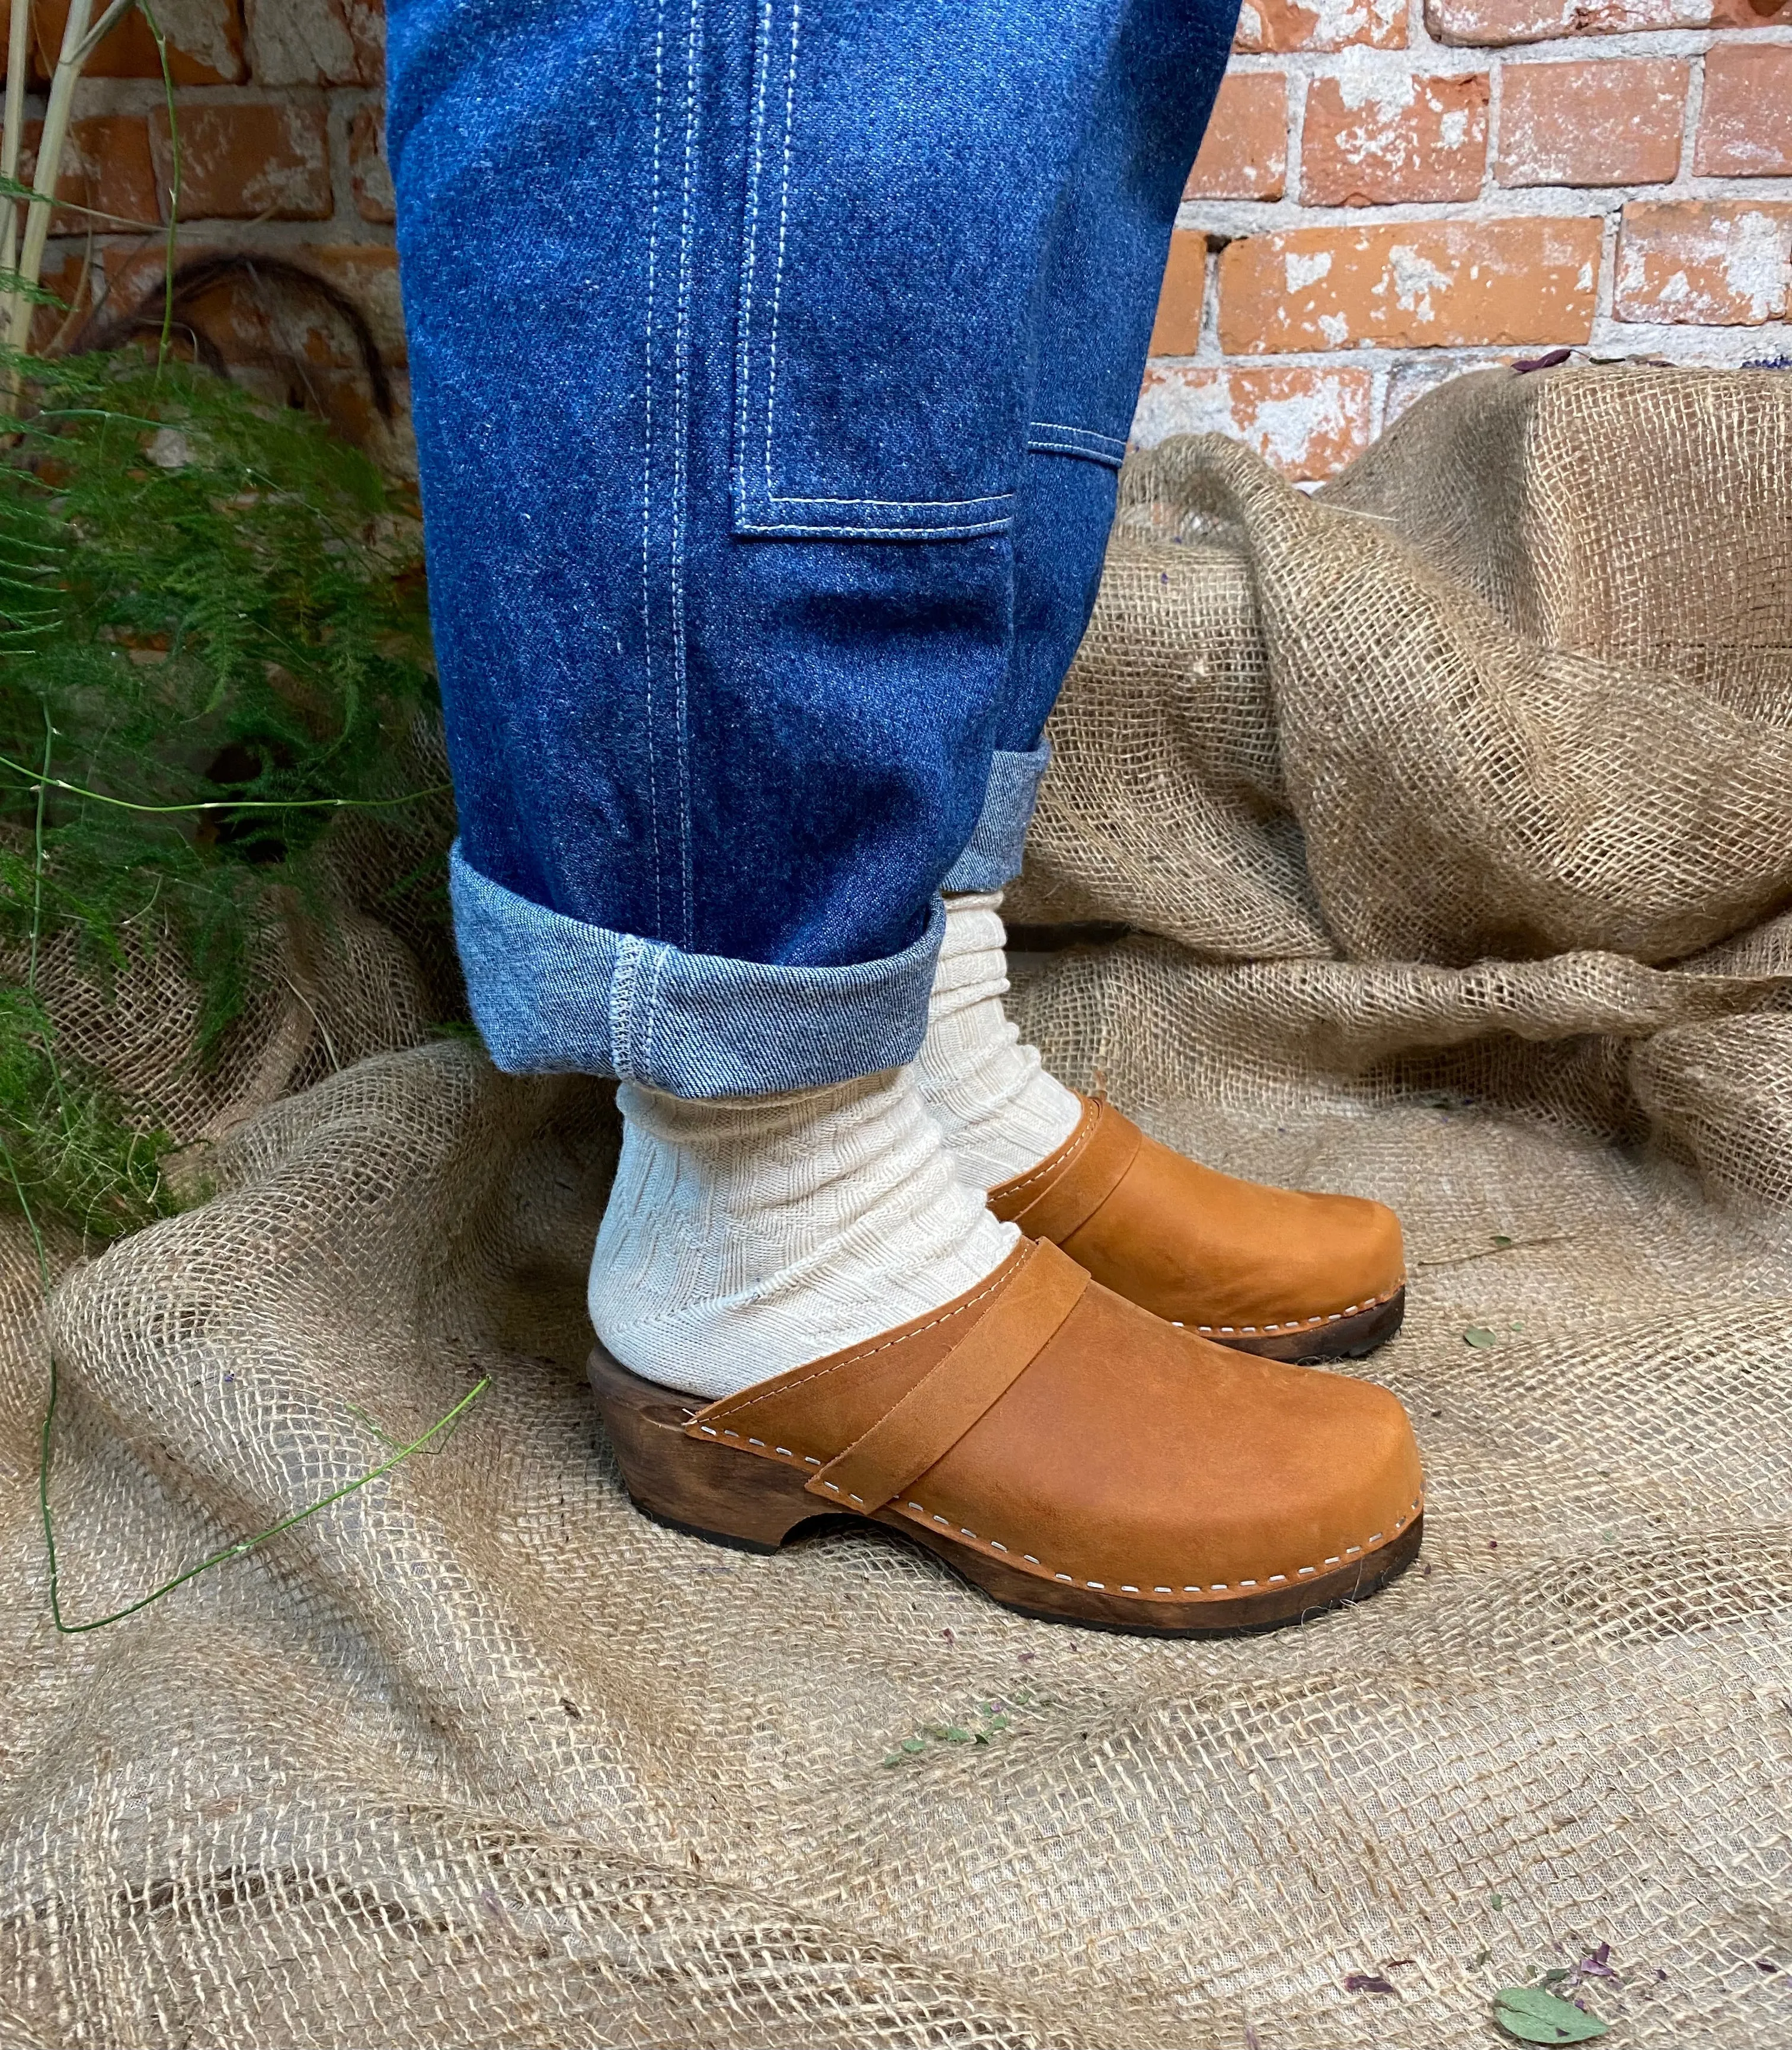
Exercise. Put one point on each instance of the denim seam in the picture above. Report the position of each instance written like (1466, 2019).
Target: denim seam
(830, 530)
(621, 995)
(749, 257)
(783, 231)
(662, 957)
(647, 461)
(1053, 438)
(994, 524)
(681, 489)
(1088, 434)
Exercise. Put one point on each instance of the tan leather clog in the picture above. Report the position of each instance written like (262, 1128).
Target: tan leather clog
(1074, 1456)
(1263, 1270)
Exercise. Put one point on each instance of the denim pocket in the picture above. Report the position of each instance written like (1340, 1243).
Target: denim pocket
(896, 188)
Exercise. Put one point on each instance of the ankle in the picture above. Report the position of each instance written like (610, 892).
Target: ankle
(1001, 1112)
(749, 1236)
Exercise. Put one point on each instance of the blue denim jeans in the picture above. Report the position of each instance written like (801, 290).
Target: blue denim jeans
(772, 360)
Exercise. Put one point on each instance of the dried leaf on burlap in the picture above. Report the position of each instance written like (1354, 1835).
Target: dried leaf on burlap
(332, 1795)
(1533, 2016)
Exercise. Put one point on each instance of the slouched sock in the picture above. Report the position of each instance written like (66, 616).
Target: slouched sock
(747, 1236)
(1000, 1111)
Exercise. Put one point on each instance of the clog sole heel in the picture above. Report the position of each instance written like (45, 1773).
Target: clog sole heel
(755, 1500)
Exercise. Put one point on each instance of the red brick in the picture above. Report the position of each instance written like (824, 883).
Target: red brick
(1604, 122)
(248, 162)
(269, 321)
(1178, 329)
(345, 399)
(70, 277)
(1244, 154)
(1275, 26)
(1485, 22)
(1369, 140)
(368, 275)
(105, 164)
(1749, 13)
(1705, 262)
(1745, 128)
(35, 74)
(1419, 284)
(204, 43)
(367, 166)
(1308, 423)
(317, 42)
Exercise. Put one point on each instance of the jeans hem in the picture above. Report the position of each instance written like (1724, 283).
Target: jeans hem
(553, 994)
(991, 857)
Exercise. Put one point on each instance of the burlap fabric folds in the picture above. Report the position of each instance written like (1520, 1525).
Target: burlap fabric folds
(1434, 839)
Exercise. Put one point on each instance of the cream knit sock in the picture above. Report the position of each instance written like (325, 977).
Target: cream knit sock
(1001, 1113)
(749, 1235)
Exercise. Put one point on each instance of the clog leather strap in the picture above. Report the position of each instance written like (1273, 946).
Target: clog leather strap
(884, 1461)
(1065, 1190)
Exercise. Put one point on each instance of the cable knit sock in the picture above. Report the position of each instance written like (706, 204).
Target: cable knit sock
(748, 1236)
(1001, 1113)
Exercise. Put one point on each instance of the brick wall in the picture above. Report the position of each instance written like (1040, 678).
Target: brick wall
(278, 104)
(1392, 191)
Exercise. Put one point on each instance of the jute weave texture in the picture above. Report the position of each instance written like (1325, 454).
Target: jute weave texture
(1433, 838)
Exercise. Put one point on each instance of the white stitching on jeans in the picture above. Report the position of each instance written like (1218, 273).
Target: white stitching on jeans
(772, 495)
(749, 257)
(621, 1005)
(647, 459)
(1088, 434)
(680, 485)
(783, 226)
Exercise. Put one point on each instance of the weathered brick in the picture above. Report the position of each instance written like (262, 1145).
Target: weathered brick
(1607, 122)
(367, 273)
(1244, 154)
(1485, 22)
(317, 42)
(1308, 423)
(249, 162)
(70, 277)
(34, 71)
(372, 176)
(1745, 125)
(1371, 137)
(1275, 26)
(1409, 381)
(1177, 331)
(345, 400)
(1705, 262)
(1419, 284)
(204, 42)
(106, 165)
(260, 317)
(1749, 13)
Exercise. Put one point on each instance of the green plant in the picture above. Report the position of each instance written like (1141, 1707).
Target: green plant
(21, 264)
(213, 641)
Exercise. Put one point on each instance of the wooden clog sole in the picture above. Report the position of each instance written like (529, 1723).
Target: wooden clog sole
(1350, 1338)
(743, 1498)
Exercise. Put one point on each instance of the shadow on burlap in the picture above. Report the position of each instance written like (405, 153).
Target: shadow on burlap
(1452, 815)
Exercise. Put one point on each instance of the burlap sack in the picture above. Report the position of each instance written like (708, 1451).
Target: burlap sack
(479, 1756)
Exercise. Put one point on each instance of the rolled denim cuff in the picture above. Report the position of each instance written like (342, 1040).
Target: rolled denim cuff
(552, 995)
(992, 856)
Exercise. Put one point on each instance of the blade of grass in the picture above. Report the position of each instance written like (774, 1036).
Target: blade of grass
(243, 1545)
(174, 184)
